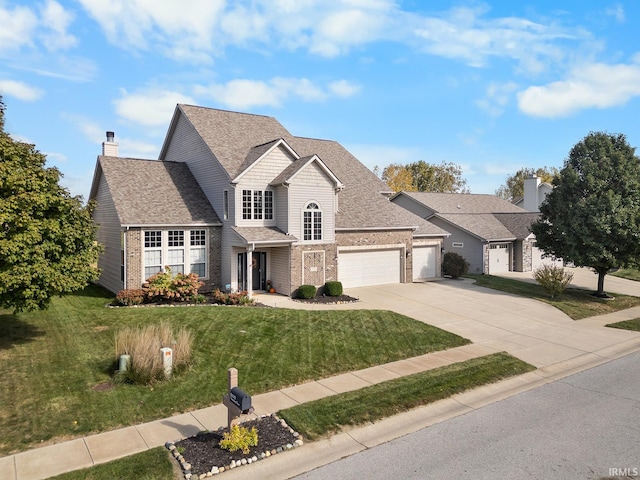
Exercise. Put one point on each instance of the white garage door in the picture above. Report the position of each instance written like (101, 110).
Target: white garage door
(538, 259)
(424, 262)
(369, 267)
(498, 258)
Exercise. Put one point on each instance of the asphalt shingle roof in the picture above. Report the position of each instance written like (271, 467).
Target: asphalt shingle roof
(172, 198)
(233, 137)
(264, 234)
(464, 202)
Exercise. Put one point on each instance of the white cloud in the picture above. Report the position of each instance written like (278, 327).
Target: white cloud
(22, 26)
(245, 93)
(153, 107)
(617, 12)
(595, 85)
(20, 90)
(497, 98)
(18, 25)
(344, 88)
(465, 33)
(56, 21)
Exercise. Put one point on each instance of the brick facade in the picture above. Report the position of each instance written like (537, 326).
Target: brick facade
(313, 264)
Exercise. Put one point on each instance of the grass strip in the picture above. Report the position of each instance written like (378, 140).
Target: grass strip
(330, 414)
(633, 324)
(577, 303)
(153, 464)
(628, 273)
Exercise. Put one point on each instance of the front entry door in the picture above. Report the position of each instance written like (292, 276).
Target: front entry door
(258, 271)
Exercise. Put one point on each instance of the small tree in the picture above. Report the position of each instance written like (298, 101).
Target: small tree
(425, 177)
(592, 216)
(553, 279)
(454, 265)
(47, 237)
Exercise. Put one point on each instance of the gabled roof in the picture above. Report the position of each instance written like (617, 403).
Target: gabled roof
(462, 202)
(256, 153)
(232, 138)
(289, 173)
(173, 198)
(484, 226)
(518, 223)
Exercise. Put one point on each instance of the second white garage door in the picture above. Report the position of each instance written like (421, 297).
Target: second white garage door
(369, 267)
(424, 262)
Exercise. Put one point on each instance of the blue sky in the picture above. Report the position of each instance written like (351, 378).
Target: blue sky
(492, 86)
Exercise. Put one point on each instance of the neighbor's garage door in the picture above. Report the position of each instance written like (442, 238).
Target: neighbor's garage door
(424, 262)
(538, 258)
(369, 267)
(498, 258)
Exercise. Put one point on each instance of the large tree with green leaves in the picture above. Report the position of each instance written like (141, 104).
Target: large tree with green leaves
(592, 216)
(513, 187)
(421, 176)
(47, 237)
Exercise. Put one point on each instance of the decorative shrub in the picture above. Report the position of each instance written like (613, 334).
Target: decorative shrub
(167, 286)
(234, 298)
(129, 297)
(554, 279)
(143, 344)
(239, 438)
(454, 265)
(333, 289)
(306, 291)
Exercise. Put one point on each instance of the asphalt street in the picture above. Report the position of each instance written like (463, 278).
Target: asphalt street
(585, 426)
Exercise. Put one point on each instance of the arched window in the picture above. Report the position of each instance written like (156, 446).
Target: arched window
(312, 222)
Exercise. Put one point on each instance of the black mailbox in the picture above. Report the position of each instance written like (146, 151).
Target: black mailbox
(240, 399)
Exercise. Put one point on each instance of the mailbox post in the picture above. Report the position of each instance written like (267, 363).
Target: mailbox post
(236, 400)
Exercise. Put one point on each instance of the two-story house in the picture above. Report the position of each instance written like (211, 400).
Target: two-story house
(239, 200)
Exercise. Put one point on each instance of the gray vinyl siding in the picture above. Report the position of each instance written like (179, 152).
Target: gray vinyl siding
(187, 146)
(268, 167)
(108, 235)
(314, 186)
(473, 246)
(281, 200)
(280, 269)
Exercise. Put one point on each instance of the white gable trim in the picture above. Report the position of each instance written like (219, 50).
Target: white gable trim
(279, 143)
(323, 167)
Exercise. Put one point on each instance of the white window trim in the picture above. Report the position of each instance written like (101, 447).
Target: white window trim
(164, 249)
(322, 222)
(261, 212)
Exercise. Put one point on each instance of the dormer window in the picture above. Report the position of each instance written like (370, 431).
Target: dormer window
(312, 222)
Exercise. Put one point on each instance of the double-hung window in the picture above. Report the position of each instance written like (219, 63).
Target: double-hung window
(152, 253)
(183, 251)
(312, 222)
(257, 205)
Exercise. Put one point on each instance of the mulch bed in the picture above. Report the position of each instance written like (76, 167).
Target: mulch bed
(202, 454)
(327, 300)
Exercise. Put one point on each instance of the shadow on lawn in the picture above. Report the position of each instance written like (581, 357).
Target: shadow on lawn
(14, 331)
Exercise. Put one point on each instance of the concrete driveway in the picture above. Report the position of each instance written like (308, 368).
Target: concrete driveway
(530, 330)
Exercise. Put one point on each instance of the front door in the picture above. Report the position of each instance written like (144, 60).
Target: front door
(258, 271)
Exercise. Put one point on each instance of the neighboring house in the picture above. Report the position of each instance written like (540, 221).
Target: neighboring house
(238, 199)
(492, 234)
(535, 192)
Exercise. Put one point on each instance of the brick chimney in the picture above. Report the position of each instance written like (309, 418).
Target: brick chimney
(110, 147)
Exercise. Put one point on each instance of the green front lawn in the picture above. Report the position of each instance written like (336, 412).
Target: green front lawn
(575, 302)
(328, 415)
(154, 464)
(633, 324)
(628, 273)
(54, 362)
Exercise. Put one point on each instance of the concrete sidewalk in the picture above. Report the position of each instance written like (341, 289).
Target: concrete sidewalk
(532, 331)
